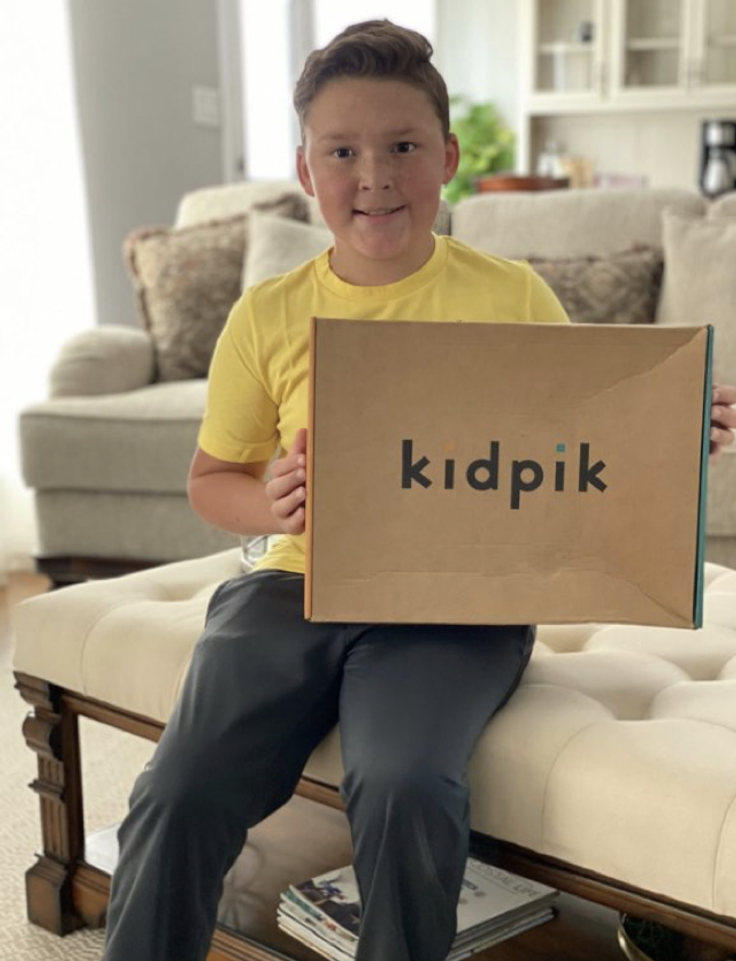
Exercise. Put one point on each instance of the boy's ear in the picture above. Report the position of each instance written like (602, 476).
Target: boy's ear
(452, 158)
(303, 172)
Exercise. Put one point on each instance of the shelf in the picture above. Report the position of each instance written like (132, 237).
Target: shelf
(652, 44)
(632, 101)
(563, 46)
(726, 40)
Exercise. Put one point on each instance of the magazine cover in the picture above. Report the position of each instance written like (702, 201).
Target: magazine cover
(324, 912)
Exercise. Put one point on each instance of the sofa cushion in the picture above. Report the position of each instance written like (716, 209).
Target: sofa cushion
(142, 440)
(105, 360)
(139, 525)
(186, 281)
(724, 206)
(621, 288)
(568, 223)
(700, 283)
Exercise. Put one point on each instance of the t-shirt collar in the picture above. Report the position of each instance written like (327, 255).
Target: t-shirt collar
(407, 285)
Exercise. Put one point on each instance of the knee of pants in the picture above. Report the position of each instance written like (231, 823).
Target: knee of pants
(383, 785)
(177, 791)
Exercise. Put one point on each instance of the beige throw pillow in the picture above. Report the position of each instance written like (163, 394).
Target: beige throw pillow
(620, 288)
(186, 281)
(700, 283)
(277, 245)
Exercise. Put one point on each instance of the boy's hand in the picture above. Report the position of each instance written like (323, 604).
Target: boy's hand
(287, 491)
(722, 419)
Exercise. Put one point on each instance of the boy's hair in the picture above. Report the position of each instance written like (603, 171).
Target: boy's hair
(374, 49)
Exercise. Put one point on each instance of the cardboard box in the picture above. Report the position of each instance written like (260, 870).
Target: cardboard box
(507, 473)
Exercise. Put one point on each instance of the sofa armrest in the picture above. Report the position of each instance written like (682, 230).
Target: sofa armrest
(105, 360)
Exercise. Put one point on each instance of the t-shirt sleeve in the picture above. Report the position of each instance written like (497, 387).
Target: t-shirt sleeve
(240, 422)
(544, 305)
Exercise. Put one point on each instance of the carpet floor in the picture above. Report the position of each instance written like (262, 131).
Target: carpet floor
(110, 761)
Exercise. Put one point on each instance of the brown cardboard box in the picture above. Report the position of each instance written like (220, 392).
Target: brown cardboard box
(506, 473)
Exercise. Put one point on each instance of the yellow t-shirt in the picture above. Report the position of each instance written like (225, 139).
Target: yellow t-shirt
(258, 380)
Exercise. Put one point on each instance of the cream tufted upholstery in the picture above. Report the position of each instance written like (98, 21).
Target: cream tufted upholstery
(617, 753)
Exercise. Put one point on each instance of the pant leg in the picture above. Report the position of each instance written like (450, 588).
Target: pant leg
(261, 692)
(414, 702)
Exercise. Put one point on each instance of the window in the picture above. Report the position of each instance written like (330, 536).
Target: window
(275, 40)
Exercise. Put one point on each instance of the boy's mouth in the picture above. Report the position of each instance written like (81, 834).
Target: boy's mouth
(379, 211)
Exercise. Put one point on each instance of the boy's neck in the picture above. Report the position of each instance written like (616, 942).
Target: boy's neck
(370, 272)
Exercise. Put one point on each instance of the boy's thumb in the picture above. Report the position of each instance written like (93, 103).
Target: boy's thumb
(300, 442)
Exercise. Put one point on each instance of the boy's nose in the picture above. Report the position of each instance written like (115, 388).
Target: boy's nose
(375, 174)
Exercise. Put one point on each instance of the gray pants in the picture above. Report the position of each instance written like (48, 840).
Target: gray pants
(265, 686)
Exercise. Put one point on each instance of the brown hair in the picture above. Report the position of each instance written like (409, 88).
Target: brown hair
(374, 49)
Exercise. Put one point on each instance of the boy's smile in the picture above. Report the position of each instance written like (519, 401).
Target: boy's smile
(375, 157)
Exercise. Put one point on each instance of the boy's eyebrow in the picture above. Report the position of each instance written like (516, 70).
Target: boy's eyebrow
(341, 137)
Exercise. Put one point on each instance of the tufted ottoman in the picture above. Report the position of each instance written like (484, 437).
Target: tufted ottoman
(611, 773)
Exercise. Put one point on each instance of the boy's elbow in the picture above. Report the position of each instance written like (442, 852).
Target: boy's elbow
(194, 493)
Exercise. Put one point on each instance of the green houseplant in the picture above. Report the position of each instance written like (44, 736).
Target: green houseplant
(486, 145)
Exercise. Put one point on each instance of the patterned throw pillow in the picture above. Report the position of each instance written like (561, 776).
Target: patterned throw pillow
(187, 279)
(620, 288)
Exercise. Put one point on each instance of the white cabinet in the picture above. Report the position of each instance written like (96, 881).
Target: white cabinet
(675, 47)
(583, 51)
(616, 56)
(714, 34)
(564, 51)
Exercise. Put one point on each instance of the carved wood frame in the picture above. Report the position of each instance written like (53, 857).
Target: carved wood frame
(65, 893)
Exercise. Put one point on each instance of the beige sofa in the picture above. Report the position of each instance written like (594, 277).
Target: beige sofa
(107, 454)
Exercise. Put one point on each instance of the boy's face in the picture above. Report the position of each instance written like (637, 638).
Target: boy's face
(375, 157)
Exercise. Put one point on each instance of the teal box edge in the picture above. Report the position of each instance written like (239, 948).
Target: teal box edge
(702, 507)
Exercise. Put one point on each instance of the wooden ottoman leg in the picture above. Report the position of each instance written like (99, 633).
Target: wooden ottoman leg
(52, 731)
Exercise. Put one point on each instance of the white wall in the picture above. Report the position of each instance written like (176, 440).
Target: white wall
(136, 62)
(477, 51)
(663, 146)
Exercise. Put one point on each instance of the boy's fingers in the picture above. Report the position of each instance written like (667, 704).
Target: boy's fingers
(295, 458)
(285, 508)
(281, 487)
(724, 394)
(723, 416)
(721, 438)
(300, 442)
(295, 523)
(288, 464)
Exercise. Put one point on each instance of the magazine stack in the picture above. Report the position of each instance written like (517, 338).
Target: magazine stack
(324, 912)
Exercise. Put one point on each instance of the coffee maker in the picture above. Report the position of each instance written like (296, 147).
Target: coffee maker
(718, 157)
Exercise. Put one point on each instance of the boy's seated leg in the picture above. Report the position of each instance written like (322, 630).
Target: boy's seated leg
(413, 705)
(261, 692)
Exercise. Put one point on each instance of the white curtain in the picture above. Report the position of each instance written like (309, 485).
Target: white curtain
(46, 293)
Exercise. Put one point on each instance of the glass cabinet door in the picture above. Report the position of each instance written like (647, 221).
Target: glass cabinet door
(653, 43)
(566, 46)
(718, 65)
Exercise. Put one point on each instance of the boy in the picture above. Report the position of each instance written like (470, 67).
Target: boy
(265, 686)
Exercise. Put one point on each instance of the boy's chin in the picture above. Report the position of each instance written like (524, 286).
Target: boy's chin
(395, 257)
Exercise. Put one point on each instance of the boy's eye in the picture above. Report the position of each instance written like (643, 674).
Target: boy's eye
(342, 153)
(404, 146)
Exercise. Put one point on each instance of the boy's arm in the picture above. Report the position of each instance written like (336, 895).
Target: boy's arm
(236, 497)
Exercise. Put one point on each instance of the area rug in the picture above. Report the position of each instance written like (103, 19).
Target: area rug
(110, 763)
